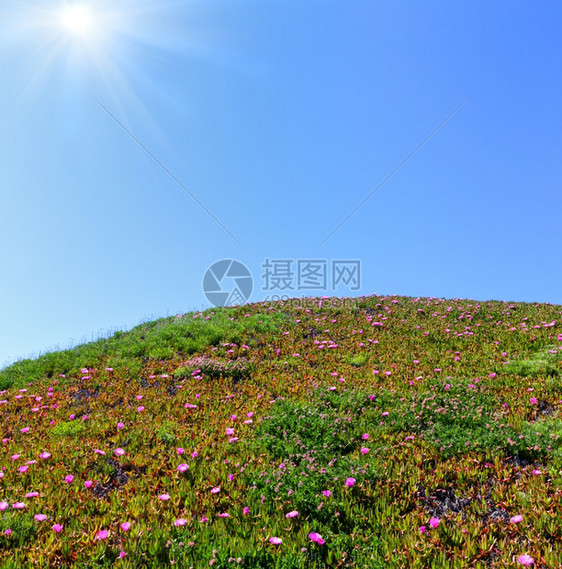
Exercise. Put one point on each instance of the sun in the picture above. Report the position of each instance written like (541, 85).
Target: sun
(77, 19)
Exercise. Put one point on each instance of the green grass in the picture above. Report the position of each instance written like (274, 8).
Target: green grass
(444, 409)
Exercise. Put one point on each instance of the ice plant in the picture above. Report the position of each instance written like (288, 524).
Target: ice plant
(40, 517)
(292, 514)
(525, 560)
(180, 522)
(102, 534)
(434, 522)
(183, 467)
(316, 538)
(126, 526)
(350, 482)
(275, 540)
(57, 528)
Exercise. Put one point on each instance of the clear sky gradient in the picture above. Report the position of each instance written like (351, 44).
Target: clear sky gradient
(280, 117)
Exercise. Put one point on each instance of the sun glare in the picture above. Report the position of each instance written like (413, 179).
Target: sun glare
(77, 19)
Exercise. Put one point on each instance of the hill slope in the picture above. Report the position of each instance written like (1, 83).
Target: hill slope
(369, 432)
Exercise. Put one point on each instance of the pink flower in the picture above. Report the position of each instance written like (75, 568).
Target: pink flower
(45, 455)
(422, 529)
(40, 517)
(292, 514)
(18, 505)
(537, 472)
(516, 519)
(326, 493)
(365, 436)
(3, 505)
(8, 531)
(98, 451)
(180, 522)
(233, 440)
(120, 426)
(204, 519)
(533, 400)
(122, 554)
(434, 522)
(216, 490)
(194, 454)
(224, 515)
(139, 397)
(229, 431)
(69, 479)
(140, 408)
(364, 450)
(32, 494)
(164, 497)
(179, 450)
(88, 483)
(525, 560)
(24, 430)
(275, 540)
(350, 482)
(183, 467)
(102, 534)
(119, 452)
(23, 469)
(57, 528)
(316, 538)
(245, 511)
(126, 526)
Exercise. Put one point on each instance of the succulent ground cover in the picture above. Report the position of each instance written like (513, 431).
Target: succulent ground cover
(369, 432)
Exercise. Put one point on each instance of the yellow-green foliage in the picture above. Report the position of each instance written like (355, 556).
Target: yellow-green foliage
(372, 432)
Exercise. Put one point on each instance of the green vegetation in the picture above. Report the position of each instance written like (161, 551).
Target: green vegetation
(386, 432)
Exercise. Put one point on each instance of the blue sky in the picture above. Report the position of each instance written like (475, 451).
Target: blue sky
(280, 117)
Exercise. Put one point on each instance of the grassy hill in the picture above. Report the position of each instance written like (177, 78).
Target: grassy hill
(371, 432)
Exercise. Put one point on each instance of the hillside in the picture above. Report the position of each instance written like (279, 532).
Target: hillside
(370, 432)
